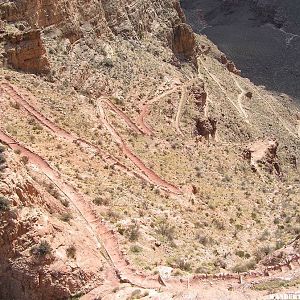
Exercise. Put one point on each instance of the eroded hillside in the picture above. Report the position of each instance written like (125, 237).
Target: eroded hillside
(133, 147)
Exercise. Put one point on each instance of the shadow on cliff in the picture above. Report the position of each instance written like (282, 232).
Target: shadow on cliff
(266, 54)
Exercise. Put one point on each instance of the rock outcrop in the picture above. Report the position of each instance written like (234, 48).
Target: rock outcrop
(184, 42)
(263, 154)
(229, 65)
(26, 52)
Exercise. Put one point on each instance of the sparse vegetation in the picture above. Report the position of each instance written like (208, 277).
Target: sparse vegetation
(135, 249)
(24, 160)
(276, 284)
(244, 266)
(15, 105)
(137, 294)
(133, 232)
(204, 239)
(100, 201)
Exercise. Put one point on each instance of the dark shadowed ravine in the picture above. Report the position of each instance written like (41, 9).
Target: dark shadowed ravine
(261, 37)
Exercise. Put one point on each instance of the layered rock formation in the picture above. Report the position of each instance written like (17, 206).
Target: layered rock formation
(26, 52)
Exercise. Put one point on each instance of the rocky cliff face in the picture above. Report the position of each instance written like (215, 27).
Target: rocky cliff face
(129, 19)
(273, 25)
(26, 52)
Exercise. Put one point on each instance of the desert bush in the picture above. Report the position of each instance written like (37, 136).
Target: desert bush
(71, 251)
(42, 249)
(4, 204)
(133, 232)
(136, 249)
(183, 264)
(24, 160)
(100, 201)
(15, 105)
(66, 217)
(166, 229)
(107, 62)
(244, 267)
(2, 159)
(204, 239)
(203, 269)
(262, 252)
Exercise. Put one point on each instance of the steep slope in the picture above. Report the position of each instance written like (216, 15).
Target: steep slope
(145, 148)
(261, 36)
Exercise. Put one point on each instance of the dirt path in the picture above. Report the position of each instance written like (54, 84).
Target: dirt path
(241, 97)
(17, 96)
(105, 237)
(145, 111)
(181, 102)
(264, 99)
(120, 113)
(216, 80)
(155, 179)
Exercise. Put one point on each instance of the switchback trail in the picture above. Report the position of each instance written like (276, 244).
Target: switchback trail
(153, 177)
(145, 110)
(264, 99)
(105, 237)
(214, 78)
(19, 97)
(127, 120)
(241, 97)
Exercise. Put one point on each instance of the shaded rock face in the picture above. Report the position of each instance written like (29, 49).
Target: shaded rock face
(184, 43)
(206, 127)
(233, 25)
(26, 52)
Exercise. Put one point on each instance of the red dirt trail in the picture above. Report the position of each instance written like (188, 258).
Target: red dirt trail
(145, 111)
(155, 179)
(14, 94)
(107, 237)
